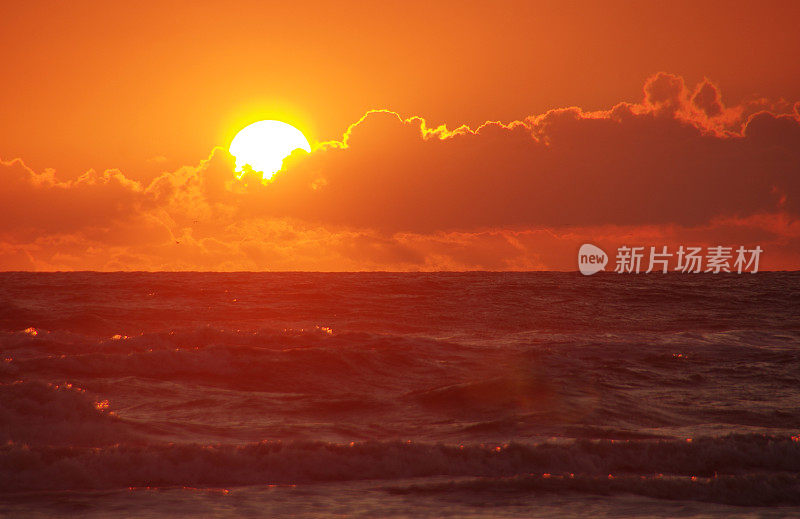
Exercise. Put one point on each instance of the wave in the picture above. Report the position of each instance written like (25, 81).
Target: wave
(28, 468)
(314, 360)
(637, 358)
(739, 490)
(519, 388)
(57, 414)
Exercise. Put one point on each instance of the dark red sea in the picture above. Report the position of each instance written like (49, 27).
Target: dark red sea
(399, 395)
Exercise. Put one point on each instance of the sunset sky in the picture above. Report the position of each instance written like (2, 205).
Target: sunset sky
(444, 135)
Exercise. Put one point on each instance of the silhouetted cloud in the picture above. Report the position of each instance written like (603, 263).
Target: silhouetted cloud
(666, 160)
(398, 194)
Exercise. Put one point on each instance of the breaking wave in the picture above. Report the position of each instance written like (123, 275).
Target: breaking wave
(720, 466)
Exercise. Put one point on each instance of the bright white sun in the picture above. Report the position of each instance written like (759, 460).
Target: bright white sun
(264, 145)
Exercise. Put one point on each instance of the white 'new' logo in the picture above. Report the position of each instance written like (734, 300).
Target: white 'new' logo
(591, 259)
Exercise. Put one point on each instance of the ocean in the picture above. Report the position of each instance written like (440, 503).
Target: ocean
(399, 395)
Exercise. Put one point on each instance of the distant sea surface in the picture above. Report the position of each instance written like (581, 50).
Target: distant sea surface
(399, 395)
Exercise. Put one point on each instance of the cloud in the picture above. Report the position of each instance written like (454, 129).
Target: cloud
(33, 202)
(400, 194)
(665, 94)
(707, 98)
(675, 158)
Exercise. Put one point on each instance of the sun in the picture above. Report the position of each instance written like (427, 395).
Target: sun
(264, 144)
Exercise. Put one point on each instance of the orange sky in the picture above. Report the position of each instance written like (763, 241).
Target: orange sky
(139, 97)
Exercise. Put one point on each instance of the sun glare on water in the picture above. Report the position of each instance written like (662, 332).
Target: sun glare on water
(263, 145)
